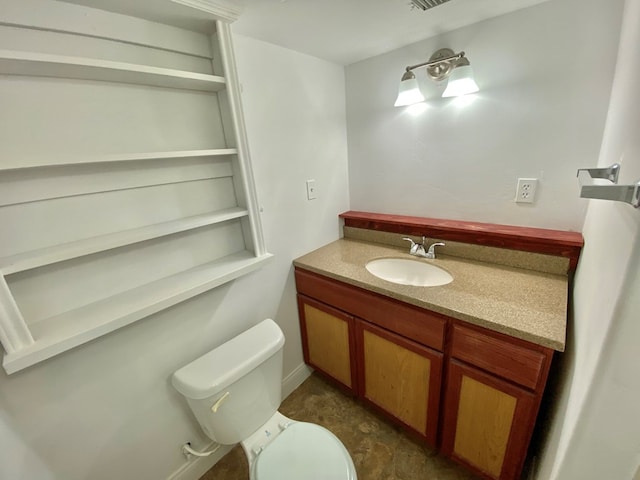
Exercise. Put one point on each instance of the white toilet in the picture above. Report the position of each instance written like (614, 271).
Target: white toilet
(235, 391)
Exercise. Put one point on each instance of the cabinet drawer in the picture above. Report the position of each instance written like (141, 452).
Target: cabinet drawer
(512, 359)
(417, 324)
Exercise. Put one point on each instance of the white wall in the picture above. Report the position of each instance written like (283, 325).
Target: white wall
(296, 122)
(107, 409)
(545, 76)
(595, 432)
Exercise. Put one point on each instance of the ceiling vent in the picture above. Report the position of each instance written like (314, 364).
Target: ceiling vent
(426, 4)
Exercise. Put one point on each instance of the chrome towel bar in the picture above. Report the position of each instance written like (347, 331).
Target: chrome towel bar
(620, 193)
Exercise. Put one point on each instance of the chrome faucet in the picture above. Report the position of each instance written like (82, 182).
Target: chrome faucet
(418, 249)
(432, 249)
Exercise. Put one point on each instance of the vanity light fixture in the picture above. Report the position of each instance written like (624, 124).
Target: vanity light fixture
(443, 64)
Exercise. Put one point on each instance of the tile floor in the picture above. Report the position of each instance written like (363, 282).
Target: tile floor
(379, 450)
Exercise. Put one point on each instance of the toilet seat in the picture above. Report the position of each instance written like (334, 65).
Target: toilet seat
(304, 451)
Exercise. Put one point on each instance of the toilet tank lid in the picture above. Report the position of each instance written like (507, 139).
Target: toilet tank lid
(225, 364)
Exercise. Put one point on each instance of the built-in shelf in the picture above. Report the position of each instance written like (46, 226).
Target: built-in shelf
(62, 332)
(14, 62)
(79, 248)
(53, 183)
(59, 161)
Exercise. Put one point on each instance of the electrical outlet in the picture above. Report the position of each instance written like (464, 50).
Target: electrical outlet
(311, 190)
(526, 190)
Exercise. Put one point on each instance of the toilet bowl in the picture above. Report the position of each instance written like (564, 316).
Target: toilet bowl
(235, 392)
(298, 451)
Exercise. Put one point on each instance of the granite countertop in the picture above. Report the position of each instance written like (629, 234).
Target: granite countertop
(521, 303)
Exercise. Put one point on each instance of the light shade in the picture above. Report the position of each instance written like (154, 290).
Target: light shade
(461, 82)
(409, 91)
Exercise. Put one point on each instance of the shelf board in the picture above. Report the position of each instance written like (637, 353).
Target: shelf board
(62, 332)
(88, 246)
(14, 62)
(74, 159)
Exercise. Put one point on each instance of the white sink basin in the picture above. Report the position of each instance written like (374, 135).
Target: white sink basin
(408, 272)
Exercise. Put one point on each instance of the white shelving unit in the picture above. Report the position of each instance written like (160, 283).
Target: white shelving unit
(57, 334)
(67, 251)
(58, 66)
(28, 342)
(53, 161)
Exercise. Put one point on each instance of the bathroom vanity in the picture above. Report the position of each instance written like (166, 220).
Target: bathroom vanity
(462, 365)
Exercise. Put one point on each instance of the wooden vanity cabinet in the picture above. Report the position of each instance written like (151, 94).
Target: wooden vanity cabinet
(494, 388)
(327, 341)
(399, 378)
(485, 425)
(393, 355)
(394, 349)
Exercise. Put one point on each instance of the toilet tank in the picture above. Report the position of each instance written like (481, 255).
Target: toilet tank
(235, 388)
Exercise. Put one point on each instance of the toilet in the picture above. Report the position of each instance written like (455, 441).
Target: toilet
(235, 392)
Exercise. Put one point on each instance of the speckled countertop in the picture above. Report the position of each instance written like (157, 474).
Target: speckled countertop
(522, 303)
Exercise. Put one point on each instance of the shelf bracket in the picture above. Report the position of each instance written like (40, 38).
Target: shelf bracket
(14, 333)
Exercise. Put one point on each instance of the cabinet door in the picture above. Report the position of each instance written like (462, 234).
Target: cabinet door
(400, 377)
(327, 340)
(487, 423)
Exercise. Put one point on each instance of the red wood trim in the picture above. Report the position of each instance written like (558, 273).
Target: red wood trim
(303, 328)
(416, 323)
(339, 385)
(435, 378)
(302, 300)
(538, 240)
(359, 356)
(514, 361)
(444, 388)
(354, 348)
(521, 430)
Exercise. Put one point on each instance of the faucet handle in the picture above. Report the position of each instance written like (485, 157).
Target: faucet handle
(432, 249)
(414, 245)
(416, 248)
(424, 239)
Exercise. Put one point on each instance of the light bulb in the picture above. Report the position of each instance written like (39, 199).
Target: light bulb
(408, 91)
(461, 82)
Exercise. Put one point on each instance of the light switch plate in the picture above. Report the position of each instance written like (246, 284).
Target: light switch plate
(311, 189)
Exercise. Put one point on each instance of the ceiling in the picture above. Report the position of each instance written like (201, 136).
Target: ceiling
(340, 31)
(347, 31)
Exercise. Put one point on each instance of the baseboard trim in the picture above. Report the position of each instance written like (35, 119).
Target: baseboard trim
(295, 379)
(195, 468)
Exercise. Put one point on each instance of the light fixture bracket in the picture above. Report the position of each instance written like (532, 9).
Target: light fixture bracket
(441, 64)
(408, 75)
